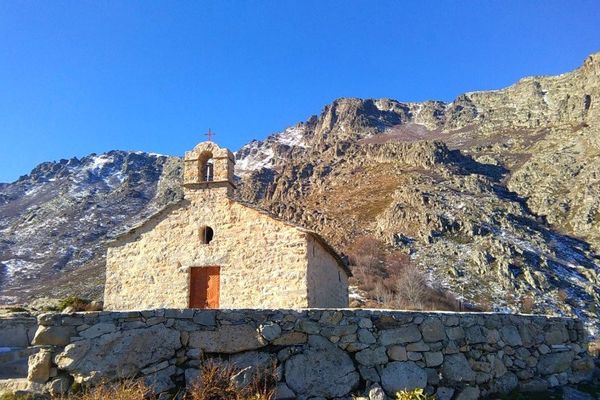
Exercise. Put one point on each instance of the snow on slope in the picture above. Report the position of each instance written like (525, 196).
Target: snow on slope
(260, 154)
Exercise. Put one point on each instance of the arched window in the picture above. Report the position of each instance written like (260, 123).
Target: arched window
(207, 165)
(206, 234)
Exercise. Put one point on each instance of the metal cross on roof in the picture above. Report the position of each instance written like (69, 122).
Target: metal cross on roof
(210, 135)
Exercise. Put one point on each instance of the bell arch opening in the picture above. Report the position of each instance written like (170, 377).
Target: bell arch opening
(207, 167)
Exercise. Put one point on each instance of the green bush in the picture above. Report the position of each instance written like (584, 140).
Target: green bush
(415, 394)
(78, 304)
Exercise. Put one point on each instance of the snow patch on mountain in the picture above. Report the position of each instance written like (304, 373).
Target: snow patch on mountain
(261, 154)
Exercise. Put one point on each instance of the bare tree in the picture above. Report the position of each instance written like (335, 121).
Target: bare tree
(411, 288)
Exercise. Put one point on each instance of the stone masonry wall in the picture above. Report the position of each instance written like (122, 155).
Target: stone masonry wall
(318, 353)
(327, 283)
(263, 261)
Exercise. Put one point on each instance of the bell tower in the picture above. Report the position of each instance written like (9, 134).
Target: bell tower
(208, 167)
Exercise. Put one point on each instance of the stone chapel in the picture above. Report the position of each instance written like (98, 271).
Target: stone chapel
(211, 251)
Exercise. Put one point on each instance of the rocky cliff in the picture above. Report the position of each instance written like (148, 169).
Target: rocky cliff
(494, 195)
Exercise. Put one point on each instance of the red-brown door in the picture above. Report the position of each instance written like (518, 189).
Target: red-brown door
(204, 287)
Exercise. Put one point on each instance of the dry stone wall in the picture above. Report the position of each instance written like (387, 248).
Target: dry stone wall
(17, 330)
(16, 333)
(319, 354)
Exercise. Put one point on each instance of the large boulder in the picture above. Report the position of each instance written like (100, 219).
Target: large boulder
(227, 339)
(322, 370)
(119, 354)
(398, 375)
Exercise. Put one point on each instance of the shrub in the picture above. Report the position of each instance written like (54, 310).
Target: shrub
(216, 382)
(78, 304)
(16, 309)
(366, 252)
(594, 348)
(527, 304)
(415, 394)
(563, 296)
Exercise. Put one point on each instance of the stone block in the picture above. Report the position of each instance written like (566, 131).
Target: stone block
(372, 357)
(39, 366)
(322, 370)
(365, 336)
(291, 338)
(433, 330)
(398, 375)
(469, 393)
(397, 353)
(456, 368)
(368, 374)
(433, 359)
(98, 330)
(119, 354)
(283, 392)
(54, 335)
(455, 333)
(376, 393)
(227, 339)
(510, 335)
(270, 331)
(417, 346)
(205, 317)
(59, 386)
(553, 363)
(405, 334)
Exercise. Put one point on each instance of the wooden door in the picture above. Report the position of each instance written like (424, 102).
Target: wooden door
(204, 287)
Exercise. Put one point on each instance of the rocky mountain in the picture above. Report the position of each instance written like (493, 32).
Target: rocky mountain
(54, 222)
(495, 195)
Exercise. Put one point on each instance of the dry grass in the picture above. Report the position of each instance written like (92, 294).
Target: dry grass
(216, 383)
(126, 390)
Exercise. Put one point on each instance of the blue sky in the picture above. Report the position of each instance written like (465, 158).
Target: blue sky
(78, 77)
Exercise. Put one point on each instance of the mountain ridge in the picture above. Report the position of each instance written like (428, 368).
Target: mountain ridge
(493, 195)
